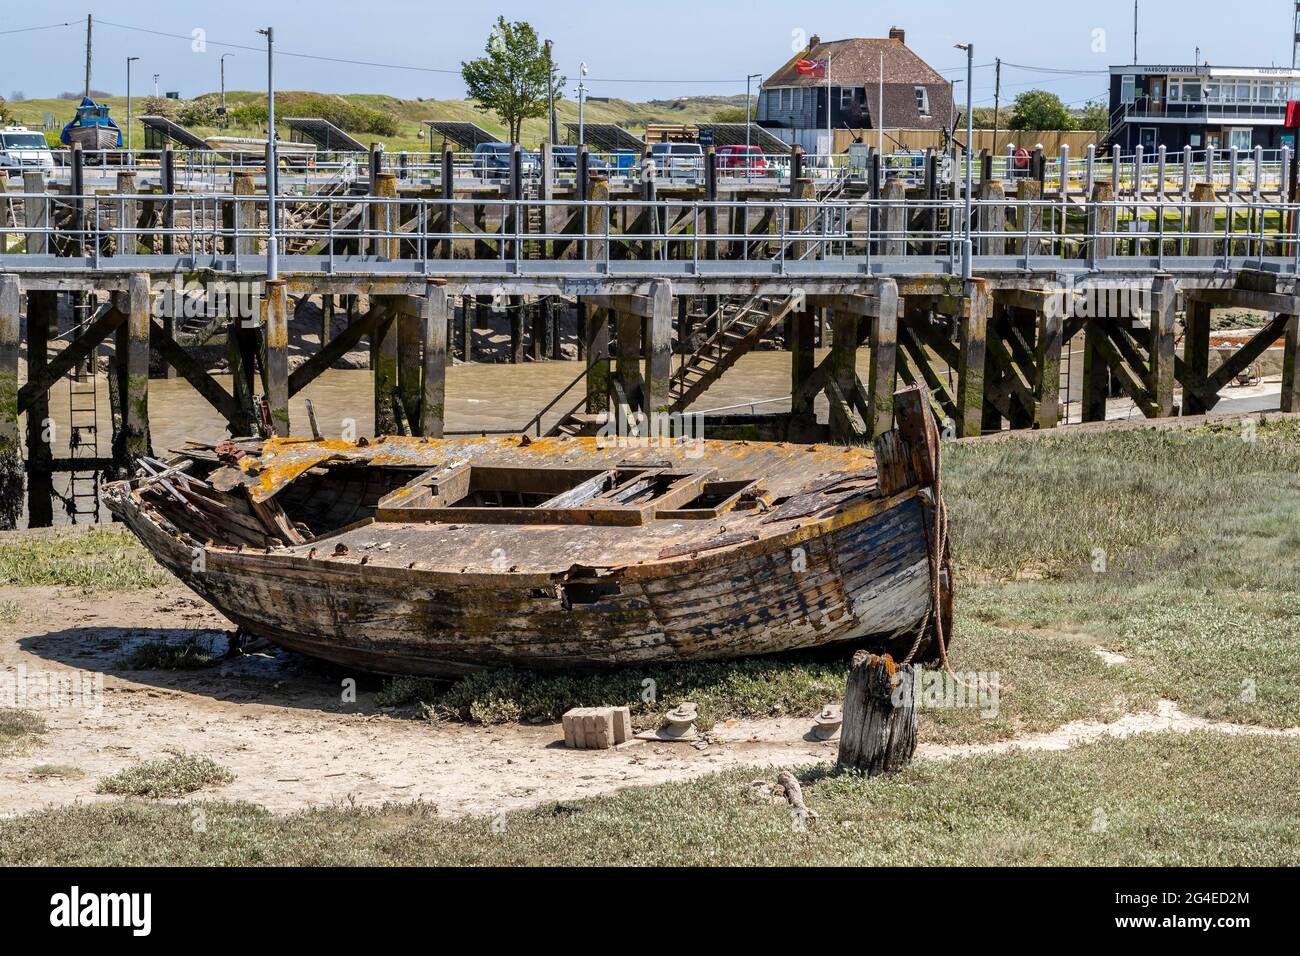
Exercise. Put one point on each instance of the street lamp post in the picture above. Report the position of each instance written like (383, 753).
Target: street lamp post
(272, 177)
(129, 61)
(223, 88)
(967, 247)
(155, 85)
(582, 99)
(748, 77)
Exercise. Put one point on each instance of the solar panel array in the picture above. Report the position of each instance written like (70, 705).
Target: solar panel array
(606, 138)
(323, 133)
(464, 135)
(165, 129)
(733, 134)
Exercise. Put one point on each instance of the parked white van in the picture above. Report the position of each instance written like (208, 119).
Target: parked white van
(22, 148)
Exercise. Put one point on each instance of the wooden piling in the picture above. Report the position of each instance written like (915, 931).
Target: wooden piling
(659, 353)
(627, 354)
(36, 212)
(880, 716)
(1047, 366)
(1196, 353)
(595, 332)
(433, 394)
(1096, 373)
(1164, 297)
(884, 348)
(410, 338)
(11, 458)
(275, 354)
(41, 309)
(1101, 219)
(1202, 221)
(993, 218)
(894, 219)
(1291, 366)
(383, 365)
(972, 328)
(135, 396)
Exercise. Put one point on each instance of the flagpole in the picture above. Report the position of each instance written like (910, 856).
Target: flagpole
(830, 134)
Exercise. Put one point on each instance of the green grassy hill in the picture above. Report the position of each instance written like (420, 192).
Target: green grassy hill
(406, 116)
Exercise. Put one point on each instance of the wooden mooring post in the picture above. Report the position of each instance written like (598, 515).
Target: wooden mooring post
(880, 716)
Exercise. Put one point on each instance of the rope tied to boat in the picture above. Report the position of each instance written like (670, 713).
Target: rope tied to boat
(940, 562)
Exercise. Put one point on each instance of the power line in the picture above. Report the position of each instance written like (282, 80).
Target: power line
(374, 63)
(49, 26)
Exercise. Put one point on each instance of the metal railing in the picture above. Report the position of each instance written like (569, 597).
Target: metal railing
(226, 233)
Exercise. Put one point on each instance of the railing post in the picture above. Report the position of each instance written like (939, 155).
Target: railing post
(36, 213)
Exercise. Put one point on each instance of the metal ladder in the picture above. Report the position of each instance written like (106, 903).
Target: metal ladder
(83, 442)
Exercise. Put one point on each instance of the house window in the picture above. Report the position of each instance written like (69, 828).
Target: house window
(922, 101)
(846, 97)
(787, 98)
(1127, 89)
(1241, 138)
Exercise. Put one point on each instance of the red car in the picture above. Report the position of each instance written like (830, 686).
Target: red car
(742, 160)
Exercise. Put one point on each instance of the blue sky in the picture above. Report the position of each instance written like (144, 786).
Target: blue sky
(688, 47)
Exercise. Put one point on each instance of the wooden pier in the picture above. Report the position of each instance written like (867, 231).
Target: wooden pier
(668, 287)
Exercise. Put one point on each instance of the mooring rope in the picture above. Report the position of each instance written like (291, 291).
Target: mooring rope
(939, 560)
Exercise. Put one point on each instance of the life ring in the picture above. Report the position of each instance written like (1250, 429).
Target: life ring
(1021, 158)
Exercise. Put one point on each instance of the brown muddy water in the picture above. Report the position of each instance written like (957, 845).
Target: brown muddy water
(480, 396)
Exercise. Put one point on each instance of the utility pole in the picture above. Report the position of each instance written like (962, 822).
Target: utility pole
(997, 100)
(223, 88)
(129, 61)
(553, 128)
(89, 25)
(155, 85)
(1135, 32)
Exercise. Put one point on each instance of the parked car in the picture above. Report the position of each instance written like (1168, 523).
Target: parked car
(566, 157)
(678, 160)
(22, 149)
(742, 161)
(492, 161)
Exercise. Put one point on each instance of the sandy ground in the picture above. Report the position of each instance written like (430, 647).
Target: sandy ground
(278, 722)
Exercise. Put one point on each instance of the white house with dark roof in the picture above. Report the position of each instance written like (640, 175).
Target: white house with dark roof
(792, 102)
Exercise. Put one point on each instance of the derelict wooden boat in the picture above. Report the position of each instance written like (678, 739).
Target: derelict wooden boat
(433, 556)
(92, 128)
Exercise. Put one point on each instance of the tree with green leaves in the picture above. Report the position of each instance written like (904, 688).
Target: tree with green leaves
(514, 79)
(1039, 109)
(1094, 117)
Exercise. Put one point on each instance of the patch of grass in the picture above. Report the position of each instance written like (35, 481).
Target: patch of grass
(745, 688)
(1048, 506)
(10, 612)
(1166, 799)
(18, 728)
(99, 557)
(172, 776)
(163, 655)
(61, 771)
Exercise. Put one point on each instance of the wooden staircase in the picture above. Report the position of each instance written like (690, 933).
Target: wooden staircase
(313, 215)
(737, 334)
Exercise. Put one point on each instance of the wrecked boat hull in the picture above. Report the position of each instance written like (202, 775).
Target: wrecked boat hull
(442, 556)
(864, 579)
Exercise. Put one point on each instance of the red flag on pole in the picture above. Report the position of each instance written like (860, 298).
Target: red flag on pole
(810, 67)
